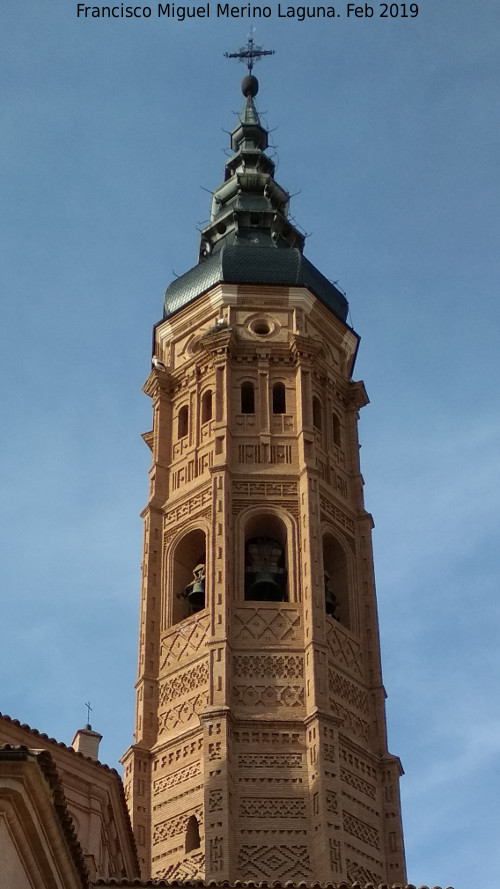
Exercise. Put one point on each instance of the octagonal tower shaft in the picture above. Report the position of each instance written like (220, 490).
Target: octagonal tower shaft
(260, 746)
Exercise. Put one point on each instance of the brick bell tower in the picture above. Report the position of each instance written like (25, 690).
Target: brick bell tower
(260, 749)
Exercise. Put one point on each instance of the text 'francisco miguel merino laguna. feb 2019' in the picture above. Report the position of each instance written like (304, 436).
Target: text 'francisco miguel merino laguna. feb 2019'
(225, 10)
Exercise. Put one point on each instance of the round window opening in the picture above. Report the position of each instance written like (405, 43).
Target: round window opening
(260, 327)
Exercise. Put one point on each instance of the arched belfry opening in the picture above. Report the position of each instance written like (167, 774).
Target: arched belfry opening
(266, 575)
(188, 575)
(336, 580)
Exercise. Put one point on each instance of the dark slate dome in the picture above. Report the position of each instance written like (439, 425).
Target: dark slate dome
(248, 264)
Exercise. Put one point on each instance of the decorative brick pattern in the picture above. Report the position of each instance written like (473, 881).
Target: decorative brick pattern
(270, 760)
(345, 651)
(172, 827)
(189, 507)
(361, 830)
(351, 722)
(269, 695)
(267, 624)
(180, 752)
(216, 854)
(183, 713)
(215, 801)
(358, 783)
(265, 490)
(330, 511)
(191, 867)
(274, 862)
(335, 855)
(183, 683)
(263, 737)
(288, 807)
(178, 777)
(331, 803)
(357, 763)
(184, 642)
(269, 666)
(356, 873)
(348, 691)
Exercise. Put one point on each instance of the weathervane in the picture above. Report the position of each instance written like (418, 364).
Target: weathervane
(250, 53)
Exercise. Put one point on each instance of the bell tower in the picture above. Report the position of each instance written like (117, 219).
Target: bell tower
(260, 748)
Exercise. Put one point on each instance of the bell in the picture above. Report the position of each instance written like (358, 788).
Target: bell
(195, 591)
(265, 576)
(266, 587)
(331, 601)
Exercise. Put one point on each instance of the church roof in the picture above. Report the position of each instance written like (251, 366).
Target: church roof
(249, 238)
(42, 758)
(41, 736)
(21, 734)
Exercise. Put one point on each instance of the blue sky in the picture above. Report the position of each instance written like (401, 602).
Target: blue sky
(387, 130)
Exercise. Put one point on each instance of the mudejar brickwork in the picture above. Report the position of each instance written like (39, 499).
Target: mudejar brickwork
(260, 748)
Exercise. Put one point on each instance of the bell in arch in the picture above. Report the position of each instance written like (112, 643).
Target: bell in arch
(195, 591)
(265, 576)
(331, 601)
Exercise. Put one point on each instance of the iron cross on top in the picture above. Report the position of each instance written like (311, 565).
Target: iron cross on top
(249, 53)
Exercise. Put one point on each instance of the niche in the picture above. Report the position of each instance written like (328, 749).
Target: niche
(336, 580)
(189, 575)
(265, 560)
(247, 398)
(317, 414)
(183, 421)
(337, 438)
(206, 406)
(279, 398)
(192, 840)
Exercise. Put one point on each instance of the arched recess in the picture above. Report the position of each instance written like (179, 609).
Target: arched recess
(266, 559)
(337, 435)
(247, 398)
(279, 398)
(187, 573)
(317, 413)
(206, 406)
(192, 840)
(337, 582)
(183, 421)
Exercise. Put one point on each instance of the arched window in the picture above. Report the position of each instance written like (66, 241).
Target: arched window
(206, 406)
(265, 560)
(183, 421)
(336, 580)
(279, 398)
(247, 398)
(188, 575)
(317, 414)
(192, 840)
(337, 438)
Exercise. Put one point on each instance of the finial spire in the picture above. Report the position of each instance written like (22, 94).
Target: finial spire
(250, 53)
